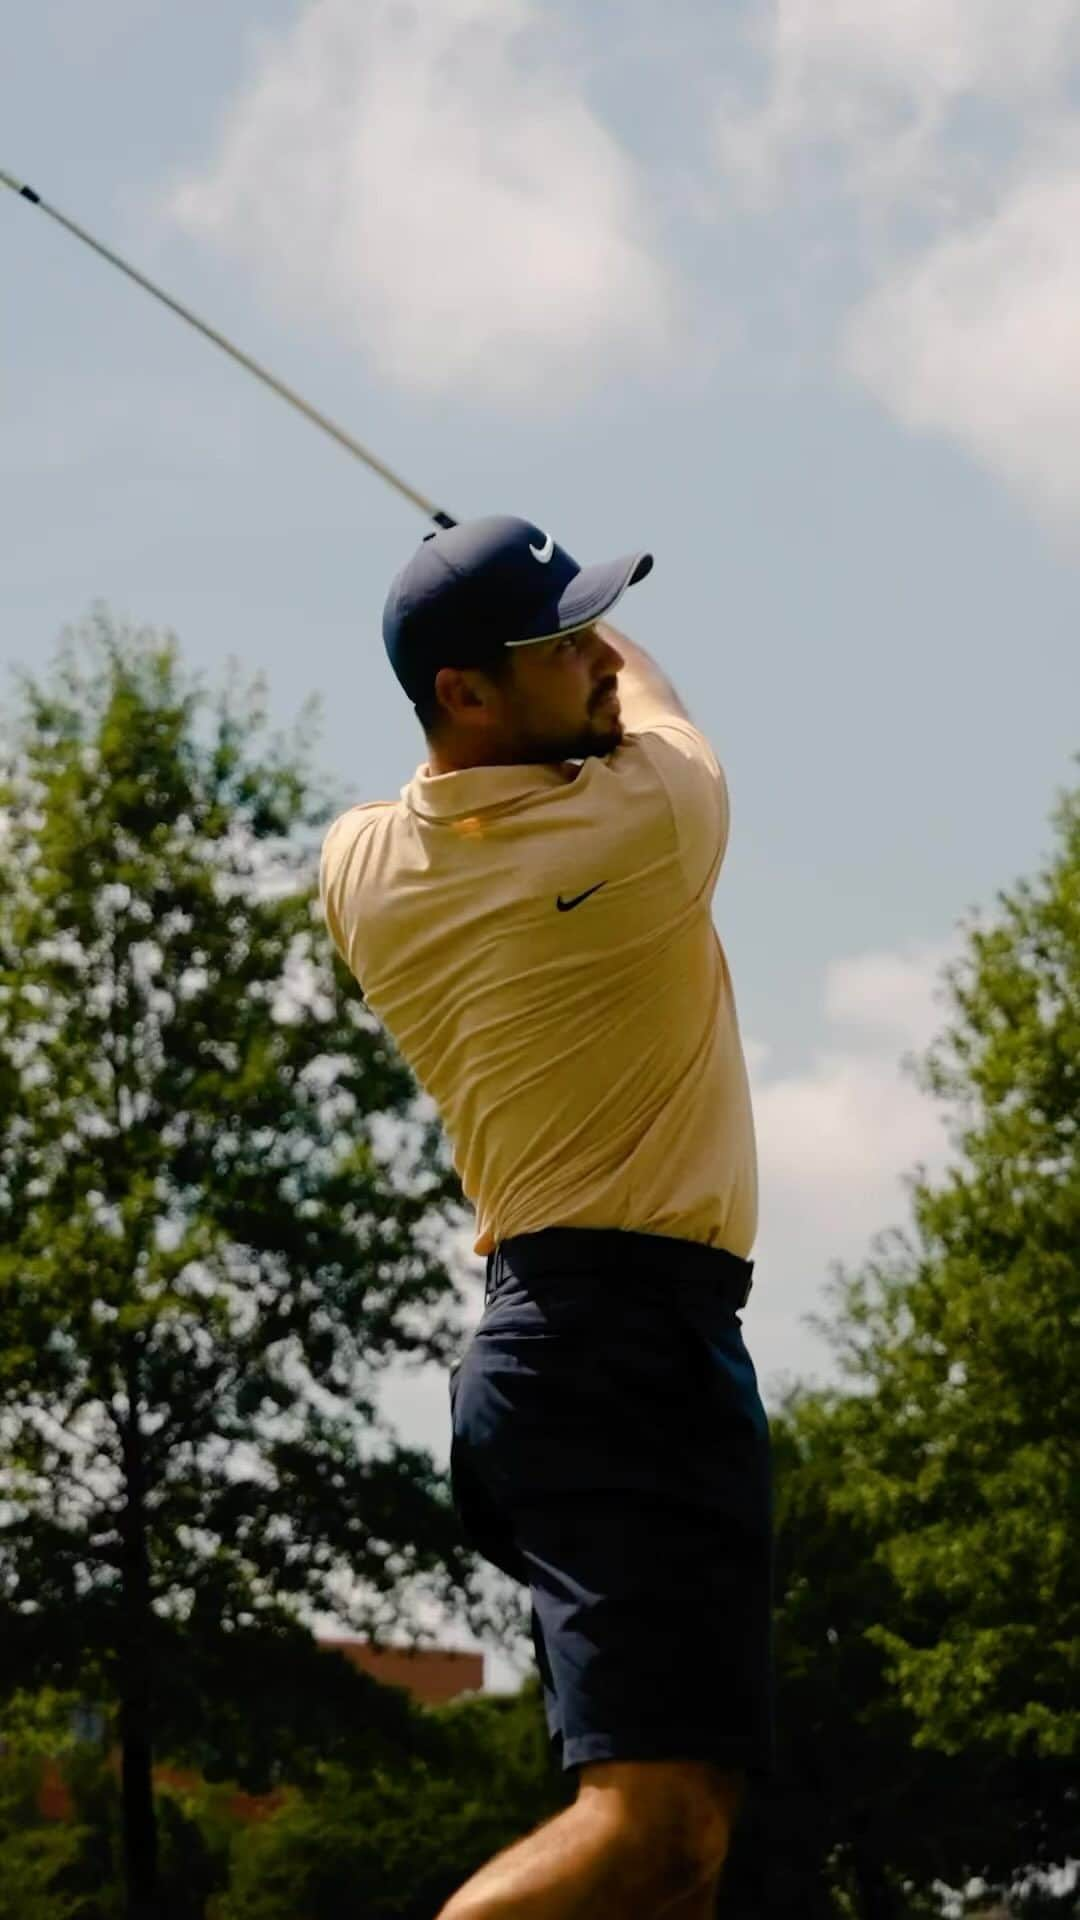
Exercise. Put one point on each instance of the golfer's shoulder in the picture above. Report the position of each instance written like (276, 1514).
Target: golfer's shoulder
(670, 759)
(668, 745)
(348, 831)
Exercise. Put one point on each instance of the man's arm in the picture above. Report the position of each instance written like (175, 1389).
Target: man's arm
(643, 689)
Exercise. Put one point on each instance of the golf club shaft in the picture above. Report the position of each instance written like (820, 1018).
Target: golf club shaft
(268, 379)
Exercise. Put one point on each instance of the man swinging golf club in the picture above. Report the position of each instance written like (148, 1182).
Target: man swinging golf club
(532, 923)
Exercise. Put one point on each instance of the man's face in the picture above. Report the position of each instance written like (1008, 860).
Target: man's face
(558, 703)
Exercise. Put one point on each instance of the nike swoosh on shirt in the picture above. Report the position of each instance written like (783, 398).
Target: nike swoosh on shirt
(564, 906)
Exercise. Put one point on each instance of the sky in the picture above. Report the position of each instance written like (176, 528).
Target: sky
(786, 293)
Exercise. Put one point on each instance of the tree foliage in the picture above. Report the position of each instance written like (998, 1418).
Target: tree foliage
(51, 1869)
(960, 1341)
(402, 1838)
(864, 1819)
(205, 1264)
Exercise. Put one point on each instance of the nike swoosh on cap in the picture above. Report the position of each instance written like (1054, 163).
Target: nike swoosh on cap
(544, 553)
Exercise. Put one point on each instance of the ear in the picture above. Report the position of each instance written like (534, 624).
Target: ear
(461, 691)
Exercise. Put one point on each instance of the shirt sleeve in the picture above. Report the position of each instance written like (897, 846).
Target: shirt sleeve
(333, 863)
(696, 788)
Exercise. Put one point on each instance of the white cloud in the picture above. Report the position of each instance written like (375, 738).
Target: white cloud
(893, 994)
(979, 338)
(836, 1137)
(437, 183)
(876, 85)
(835, 1141)
(944, 130)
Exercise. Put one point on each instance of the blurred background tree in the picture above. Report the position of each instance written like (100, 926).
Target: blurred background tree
(204, 1264)
(929, 1511)
(403, 1838)
(49, 1870)
(962, 1341)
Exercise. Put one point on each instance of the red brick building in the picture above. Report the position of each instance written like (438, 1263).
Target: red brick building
(432, 1675)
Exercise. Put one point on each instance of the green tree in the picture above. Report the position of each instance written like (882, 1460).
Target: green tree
(49, 1870)
(860, 1820)
(282, 1706)
(395, 1842)
(961, 1342)
(205, 1265)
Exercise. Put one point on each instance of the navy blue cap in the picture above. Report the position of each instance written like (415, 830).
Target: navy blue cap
(471, 590)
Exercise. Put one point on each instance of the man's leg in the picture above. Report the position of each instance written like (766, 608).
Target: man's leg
(638, 1838)
(574, 1867)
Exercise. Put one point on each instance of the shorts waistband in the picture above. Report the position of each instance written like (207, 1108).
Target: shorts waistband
(552, 1250)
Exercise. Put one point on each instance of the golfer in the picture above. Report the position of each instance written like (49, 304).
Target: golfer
(532, 923)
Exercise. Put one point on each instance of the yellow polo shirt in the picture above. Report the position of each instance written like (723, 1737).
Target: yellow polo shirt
(538, 941)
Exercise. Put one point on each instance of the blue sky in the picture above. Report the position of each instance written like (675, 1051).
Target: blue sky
(786, 295)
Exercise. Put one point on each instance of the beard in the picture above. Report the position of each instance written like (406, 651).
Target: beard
(592, 742)
(596, 737)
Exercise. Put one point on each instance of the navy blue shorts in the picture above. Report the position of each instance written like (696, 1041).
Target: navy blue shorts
(610, 1450)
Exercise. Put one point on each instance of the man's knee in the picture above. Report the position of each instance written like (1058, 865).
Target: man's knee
(677, 1814)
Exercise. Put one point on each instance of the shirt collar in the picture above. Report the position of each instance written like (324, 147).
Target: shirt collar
(450, 796)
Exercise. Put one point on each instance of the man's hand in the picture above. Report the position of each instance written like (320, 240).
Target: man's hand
(643, 690)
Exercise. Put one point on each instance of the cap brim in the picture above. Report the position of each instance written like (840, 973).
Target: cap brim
(592, 592)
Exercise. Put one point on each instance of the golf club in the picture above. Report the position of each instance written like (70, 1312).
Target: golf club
(337, 433)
